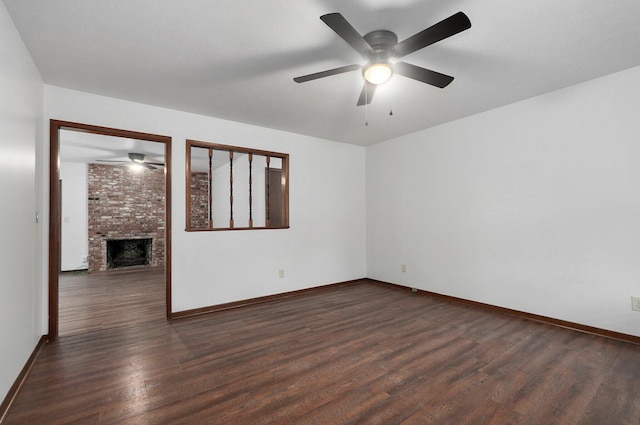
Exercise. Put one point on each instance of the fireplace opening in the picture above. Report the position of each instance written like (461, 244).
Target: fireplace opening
(128, 252)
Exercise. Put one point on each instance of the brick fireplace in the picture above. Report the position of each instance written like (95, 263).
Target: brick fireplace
(125, 208)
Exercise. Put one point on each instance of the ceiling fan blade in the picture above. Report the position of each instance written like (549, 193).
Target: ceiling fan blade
(326, 73)
(149, 166)
(422, 74)
(154, 163)
(366, 95)
(112, 160)
(446, 28)
(345, 30)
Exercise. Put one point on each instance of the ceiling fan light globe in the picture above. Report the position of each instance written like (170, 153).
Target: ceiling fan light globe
(378, 73)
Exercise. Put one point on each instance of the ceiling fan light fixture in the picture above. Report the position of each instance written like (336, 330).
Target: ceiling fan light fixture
(136, 166)
(378, 73)
(137, 158)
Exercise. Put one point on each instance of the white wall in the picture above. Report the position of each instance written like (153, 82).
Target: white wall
(20, 113)
(534, 206)
(75, 245)
(326, 241)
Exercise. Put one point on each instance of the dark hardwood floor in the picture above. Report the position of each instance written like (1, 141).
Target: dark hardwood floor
(356, 354)
(110, 299)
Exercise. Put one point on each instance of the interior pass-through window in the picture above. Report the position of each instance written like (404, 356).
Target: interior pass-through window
(236, 188)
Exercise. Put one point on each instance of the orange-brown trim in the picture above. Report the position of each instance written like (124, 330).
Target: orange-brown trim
(239, 149)
(20, 380)
(226, 229)
(187, 179)
(54, 201)
(167, 227)
(259, 300)
(529, 316)
(54, 226)
(208, 145)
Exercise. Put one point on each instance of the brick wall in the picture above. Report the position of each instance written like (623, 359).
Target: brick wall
(199, 200)
(124, 204)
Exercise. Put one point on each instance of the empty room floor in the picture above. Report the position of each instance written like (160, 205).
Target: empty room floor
(361, 353)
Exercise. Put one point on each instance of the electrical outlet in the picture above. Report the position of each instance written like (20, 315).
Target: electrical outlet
(404, 268)
(635, 303)
(281, 273)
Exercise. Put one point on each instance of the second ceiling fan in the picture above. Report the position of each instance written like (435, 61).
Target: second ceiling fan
(135, 159)
(378, 47)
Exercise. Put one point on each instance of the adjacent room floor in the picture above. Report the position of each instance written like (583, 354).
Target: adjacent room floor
(101, 300)
(362, 353)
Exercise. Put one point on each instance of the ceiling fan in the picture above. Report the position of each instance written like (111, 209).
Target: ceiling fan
(379, 46)
(135, 159)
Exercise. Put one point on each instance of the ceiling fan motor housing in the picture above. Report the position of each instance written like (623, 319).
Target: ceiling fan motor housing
(136, 157)
(382, 42)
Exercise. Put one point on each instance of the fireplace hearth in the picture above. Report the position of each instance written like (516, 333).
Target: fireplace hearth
(128, 252)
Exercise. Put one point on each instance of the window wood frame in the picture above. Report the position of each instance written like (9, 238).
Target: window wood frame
(284, 157)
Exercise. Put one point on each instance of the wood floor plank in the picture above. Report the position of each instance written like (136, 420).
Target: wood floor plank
(362, 353)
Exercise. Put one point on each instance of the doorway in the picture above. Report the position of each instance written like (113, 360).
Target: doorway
(116, 142)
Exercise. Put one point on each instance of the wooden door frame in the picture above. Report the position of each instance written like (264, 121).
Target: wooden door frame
(55, 197)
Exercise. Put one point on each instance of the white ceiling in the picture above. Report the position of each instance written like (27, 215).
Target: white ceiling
(235, 59)
(80, 146)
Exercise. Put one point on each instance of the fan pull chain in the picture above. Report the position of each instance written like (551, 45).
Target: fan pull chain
(366, 104)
